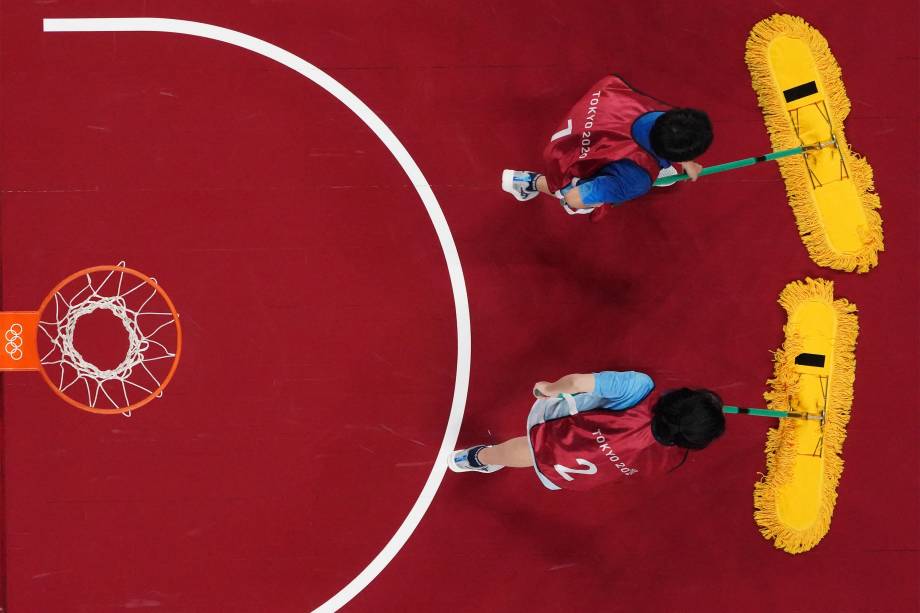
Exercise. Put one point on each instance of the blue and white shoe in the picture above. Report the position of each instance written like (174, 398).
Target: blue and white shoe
(522, 184)
(664, 173)
(459, 461)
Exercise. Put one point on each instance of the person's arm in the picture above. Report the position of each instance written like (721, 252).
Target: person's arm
(622, 390)
(569, 384)
(573, 199)
(618, 182)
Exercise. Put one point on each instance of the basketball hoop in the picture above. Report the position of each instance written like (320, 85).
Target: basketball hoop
(44, 340)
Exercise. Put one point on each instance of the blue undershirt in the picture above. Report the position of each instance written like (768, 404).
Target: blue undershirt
(623, 180)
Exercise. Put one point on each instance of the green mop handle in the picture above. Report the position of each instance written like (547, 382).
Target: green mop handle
(770, 413)
(740, 411)
(711, 170)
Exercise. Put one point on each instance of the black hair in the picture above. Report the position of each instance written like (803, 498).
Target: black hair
(688, 418)
(680, 135)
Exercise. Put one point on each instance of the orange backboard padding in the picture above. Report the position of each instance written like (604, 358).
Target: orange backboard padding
(19, 337)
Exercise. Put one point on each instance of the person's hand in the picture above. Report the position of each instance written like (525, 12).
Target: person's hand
(541, 389)
(692, 169)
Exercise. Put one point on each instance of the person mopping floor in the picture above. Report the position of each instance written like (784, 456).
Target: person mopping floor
(611, 147)
(585, 430)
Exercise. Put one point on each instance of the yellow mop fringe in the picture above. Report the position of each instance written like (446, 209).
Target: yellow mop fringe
(858, 233)
(783, 498)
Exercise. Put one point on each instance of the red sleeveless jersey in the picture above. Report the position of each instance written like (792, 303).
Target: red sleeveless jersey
(591, 448)
(598, 131)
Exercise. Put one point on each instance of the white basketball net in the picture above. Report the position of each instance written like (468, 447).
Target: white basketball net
(130, 376)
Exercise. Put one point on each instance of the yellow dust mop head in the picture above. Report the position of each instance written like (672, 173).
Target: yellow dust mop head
(813, 373)
(831, 191)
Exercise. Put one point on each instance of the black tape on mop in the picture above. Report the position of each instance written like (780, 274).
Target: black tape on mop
(810, 359)
(800, 91)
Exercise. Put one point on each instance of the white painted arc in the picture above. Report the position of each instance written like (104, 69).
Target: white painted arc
(458, 285)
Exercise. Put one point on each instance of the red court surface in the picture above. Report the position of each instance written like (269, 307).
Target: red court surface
(320, 333)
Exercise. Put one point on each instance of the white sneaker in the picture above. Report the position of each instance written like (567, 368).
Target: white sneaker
(664, 173)
(520, 183)
(459, 461)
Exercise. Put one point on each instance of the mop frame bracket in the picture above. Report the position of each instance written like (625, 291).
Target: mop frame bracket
(821, 107)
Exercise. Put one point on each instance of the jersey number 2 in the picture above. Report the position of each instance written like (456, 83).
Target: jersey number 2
(566, 472)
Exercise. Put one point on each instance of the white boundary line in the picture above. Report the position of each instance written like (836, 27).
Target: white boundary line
(457, 283)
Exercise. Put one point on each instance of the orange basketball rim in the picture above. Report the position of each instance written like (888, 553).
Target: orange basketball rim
(43, 340)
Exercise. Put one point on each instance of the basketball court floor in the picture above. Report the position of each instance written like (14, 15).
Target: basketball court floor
(320, 200)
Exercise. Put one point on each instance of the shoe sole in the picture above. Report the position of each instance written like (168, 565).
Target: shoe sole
(508, 185)
(453, 467)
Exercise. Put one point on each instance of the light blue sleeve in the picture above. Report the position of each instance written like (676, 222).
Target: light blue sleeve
(621, 390)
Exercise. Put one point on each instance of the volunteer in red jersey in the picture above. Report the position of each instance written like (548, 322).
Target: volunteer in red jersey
(612, 146)
(586, 430)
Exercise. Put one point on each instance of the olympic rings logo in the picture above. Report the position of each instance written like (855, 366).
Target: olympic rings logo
(13, 338)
